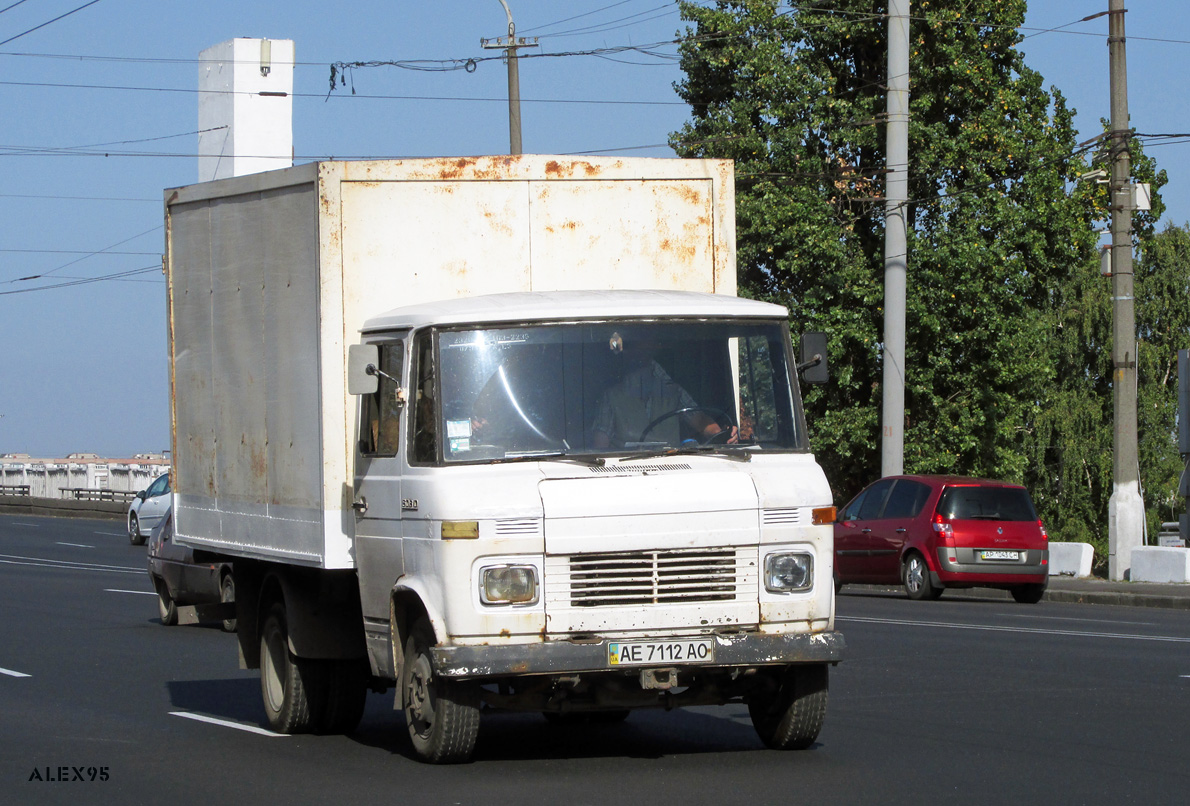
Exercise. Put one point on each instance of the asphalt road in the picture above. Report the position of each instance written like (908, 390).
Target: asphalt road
(956, 701)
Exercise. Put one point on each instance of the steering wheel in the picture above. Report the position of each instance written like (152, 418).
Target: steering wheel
(718, 415)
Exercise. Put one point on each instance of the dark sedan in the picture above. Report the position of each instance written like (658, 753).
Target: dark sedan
(180, 579)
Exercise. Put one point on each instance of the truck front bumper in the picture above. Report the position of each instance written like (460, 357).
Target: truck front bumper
(570, 657)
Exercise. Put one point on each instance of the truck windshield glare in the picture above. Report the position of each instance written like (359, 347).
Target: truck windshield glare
(616, 387)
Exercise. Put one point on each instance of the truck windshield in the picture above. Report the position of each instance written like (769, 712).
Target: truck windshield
(617, 387)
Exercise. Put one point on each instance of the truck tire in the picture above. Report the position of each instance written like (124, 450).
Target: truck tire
(285, 680)
(442, 715)
(586, 717)
(789, 714)
(227, 595)
(345, 696)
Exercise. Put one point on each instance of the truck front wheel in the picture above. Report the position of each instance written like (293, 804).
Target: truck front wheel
(788, 712)
(442, 715)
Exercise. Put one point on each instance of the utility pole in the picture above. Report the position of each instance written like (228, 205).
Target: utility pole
(896, 259)
(509, 45)
(1126, 508)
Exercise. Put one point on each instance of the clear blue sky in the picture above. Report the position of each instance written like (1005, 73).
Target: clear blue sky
(98, 115)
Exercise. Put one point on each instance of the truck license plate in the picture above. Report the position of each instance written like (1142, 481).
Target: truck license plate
(644, 653)
(999, 555)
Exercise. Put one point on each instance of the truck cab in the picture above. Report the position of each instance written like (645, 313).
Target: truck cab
(587, 502)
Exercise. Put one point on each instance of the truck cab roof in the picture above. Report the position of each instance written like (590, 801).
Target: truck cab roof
(541, 306)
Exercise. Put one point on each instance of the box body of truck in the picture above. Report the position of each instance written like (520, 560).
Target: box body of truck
(401, 395)
(272, 275)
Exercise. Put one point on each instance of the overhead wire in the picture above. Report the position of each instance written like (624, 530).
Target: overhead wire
(602, 53)
(48, 22)
(83, 281)
(86, 256)
(568, 19)
(10, 8)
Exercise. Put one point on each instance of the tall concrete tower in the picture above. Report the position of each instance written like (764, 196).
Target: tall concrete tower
(245, 107)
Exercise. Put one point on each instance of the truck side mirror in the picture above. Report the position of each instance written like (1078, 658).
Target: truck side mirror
(359, 358)
(813, 366)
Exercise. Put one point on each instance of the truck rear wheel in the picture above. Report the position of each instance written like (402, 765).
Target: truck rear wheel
(285, 680)
(789, 714)
(345, 696)
(442, 715)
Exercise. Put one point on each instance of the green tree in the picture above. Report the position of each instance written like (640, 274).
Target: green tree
(1070, 446)
(1163, 328)
(998, 232)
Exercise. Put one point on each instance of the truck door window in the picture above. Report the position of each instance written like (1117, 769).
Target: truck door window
(380, 416)
(759, 417)
(425, 415)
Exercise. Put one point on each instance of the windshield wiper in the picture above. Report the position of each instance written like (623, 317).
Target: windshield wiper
(726, 451)
(532, 456)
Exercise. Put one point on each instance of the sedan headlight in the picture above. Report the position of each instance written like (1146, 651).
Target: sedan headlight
(787, 572)
(508, 584)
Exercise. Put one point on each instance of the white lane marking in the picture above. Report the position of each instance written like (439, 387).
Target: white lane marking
(228, 724)
(66, 565)
(1075, 618)
(76, 545)
(11, 673)
(30, 525)
(1033, 630)
(113, 534)
(117, 590)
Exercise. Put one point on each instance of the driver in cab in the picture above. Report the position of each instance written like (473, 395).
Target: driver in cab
(646, 405)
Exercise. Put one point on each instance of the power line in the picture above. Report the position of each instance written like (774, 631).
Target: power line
(568, 19)
(470, 99)
(10, 8)
(68, 149)
(76, 198)
(84, 281)
(44, 24)
(611, 25)
(87, 255)
(87, 252)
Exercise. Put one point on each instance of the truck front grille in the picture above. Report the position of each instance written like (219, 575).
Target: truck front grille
(640, 578)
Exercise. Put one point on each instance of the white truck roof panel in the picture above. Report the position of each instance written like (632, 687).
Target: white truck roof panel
(572, 305)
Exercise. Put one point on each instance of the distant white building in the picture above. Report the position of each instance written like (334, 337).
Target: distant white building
(245, 107)
(59, 478)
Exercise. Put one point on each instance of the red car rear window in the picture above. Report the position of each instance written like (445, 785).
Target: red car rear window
(986, 503)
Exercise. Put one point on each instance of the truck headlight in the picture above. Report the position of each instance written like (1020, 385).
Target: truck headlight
(508, 584)
(788, 571)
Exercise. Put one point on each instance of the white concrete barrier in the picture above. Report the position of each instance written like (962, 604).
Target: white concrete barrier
(1071, 559)
(1160, 564)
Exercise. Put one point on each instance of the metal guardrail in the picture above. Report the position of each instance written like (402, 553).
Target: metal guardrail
(92, 494)
(14, 489)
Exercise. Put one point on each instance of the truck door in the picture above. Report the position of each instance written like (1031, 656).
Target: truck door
(377, 493)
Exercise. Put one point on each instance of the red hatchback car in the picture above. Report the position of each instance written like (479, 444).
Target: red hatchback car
(930, 533)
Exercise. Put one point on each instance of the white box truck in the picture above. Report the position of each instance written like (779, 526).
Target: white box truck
(497, 433)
